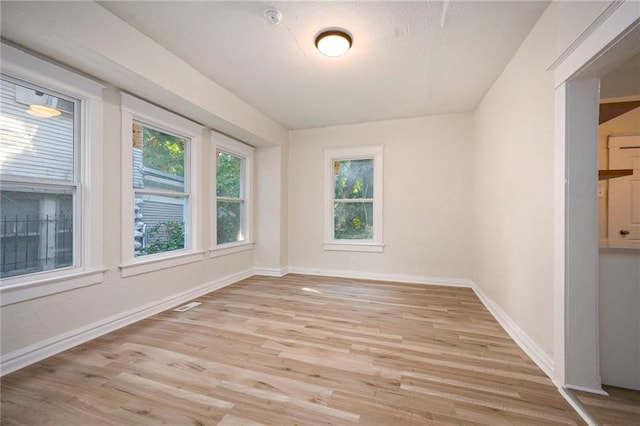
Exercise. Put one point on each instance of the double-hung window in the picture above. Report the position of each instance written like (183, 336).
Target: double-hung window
(233, 175)
(45, 217)
(40, 179)
(158, 186)
(353, 199)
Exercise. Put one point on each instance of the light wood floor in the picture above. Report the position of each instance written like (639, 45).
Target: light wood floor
(296, 350)
(621, 407)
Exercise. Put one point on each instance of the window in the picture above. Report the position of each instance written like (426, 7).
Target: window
(353, 197)
(233, 164)
(158, 154)
(49, 123)
(161, 198)
(40, 180)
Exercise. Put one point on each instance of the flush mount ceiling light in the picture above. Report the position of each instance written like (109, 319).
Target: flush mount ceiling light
(333, 43)
(42, 111)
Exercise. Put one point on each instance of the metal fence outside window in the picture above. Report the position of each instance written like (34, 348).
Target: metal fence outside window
(33, 244)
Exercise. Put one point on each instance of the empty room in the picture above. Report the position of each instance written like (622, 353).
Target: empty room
(361, 212)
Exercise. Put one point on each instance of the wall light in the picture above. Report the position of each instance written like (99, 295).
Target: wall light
(333, 43)
(42, 111)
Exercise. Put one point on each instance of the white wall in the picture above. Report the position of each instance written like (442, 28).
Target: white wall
(513, 171)
(91, 39)
(51, 320)
(270, 210)
(427, 199)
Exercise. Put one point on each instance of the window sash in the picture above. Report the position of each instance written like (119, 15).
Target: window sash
(77, 118)
(140, 243)
(239, 225)
(43, 241)
(228, 146)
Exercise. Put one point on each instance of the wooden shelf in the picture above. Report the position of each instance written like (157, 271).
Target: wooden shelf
(610, 174)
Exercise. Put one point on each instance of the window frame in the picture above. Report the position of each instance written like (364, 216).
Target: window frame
(330, 243)
(231, 146)
(144, 113)
(87, 269)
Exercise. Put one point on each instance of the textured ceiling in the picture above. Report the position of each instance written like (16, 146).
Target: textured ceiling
(408, 58)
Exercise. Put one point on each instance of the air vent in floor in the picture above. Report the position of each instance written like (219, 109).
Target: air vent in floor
(187, 306)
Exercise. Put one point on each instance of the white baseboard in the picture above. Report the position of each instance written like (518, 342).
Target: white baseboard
(590, 390)
(402, 278)
(531, 348)
(577, 405)
(26, 356)
(271, 272)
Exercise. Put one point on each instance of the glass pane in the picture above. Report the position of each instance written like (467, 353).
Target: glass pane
(36, 129)
(36, 230)
(229, 175)
(158, 160)
(230, 220)
(353, 221)
(353, 179)
(159, 224)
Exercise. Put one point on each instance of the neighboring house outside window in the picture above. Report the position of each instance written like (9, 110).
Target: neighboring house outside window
(353, 199)
(50, 127)
(161, 198)
(159, 187)
(233, 220)
(39, 179)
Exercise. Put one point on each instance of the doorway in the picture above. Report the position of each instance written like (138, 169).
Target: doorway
(615, 39)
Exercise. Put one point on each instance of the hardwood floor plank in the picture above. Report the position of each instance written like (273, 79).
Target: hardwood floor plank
(296, 350)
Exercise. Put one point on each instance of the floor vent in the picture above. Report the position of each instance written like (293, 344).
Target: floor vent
(187, 306)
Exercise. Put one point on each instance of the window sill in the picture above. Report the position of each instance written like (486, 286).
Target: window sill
(230, 249)
(354, 246)
(20, 289)
(151, 265)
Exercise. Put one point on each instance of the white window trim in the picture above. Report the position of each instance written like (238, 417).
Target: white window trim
(134, 109)
(89, 269)
(357, 153)
(226, 144)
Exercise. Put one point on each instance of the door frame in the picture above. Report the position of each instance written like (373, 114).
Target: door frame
(613, 37)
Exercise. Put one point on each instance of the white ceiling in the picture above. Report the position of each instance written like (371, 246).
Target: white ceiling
(622, 82)
(408, 58)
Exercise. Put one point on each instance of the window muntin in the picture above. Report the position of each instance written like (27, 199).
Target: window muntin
(161, 202)
(353, 199)
(39, 164)
(230, 202)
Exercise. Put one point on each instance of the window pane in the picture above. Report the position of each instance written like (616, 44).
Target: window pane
(36, 230)
(158, 160)
(230, 221)
(228, 175)
(353, 221)
(37, 133)
(353, 179)
(159, 224)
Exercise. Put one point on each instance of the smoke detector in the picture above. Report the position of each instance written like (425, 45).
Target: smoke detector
(272, 15)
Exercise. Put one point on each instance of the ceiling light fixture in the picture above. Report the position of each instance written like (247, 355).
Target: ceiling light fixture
(42, 111)
(333, 43)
